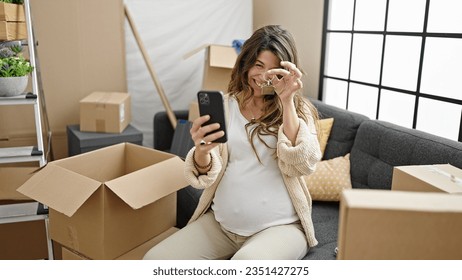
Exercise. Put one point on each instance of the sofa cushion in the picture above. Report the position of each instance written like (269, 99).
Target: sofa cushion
(325, 221)
(379, 146)
(331, 177)
(187, 200)
(343, 131)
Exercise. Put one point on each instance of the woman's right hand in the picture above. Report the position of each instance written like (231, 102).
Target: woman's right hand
(204, 144)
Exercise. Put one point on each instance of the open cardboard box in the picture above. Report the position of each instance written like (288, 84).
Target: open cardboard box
(135, 254)
(398, 225)
(427, 178)
(106, 202)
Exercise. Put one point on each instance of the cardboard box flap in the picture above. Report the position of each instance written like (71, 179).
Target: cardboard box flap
(218, 55)
(222, 56)
(437, 175)
(60, 189)
(402, 200)
(139, 189)
(100, 97)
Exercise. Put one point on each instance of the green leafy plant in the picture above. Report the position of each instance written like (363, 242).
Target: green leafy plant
(12, 63)
(13, 1)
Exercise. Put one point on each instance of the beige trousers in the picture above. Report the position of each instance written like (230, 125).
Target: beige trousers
(205, 239)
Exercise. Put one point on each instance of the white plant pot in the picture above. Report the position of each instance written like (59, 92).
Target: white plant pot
(11, 86)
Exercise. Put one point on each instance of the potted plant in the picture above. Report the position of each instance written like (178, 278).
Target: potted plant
(13, 1)
(14, 71)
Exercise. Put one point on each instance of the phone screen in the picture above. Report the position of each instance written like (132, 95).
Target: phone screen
(212, 103)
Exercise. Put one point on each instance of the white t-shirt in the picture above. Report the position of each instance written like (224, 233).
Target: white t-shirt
(251, 195)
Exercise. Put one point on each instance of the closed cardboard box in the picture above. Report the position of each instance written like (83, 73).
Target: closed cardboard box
(11, 179)
(105, 112)
(23, 241)
(106, 202)
(19, 240)
(11, 12)
(12, 30)
(428, 178)
(398, 225)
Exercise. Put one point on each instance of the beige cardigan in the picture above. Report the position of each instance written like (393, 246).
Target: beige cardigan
(293, 160)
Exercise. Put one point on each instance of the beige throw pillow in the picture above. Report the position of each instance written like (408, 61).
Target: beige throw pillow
(330, 179)
(325, 126)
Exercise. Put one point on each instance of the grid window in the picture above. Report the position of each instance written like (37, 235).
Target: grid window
(341, 14)
(336, 92)
(406, 16)
(437, 117)
(366, 58)
(396, 60)
(370, 15)
(394, 108)
(442, 73)
(445, 16)
(360, 100)
(401, 62)
(338, 62)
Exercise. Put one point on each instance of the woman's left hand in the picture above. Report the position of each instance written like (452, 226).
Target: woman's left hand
(286, 81)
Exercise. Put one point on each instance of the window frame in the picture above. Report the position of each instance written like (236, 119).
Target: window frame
(417, 93)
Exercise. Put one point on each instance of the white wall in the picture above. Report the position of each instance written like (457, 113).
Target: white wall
(304, 19)
(169, 29)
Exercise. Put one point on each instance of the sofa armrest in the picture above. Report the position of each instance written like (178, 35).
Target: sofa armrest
(163, 129)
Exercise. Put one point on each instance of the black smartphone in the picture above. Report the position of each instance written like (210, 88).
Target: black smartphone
(212, 103)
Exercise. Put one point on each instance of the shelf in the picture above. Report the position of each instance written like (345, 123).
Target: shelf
(27, 211)
(20, 154)
(22, 212)
(23, 99)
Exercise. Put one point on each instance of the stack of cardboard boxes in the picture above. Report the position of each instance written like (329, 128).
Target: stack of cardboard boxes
(12, 22)
(19, 240)
(70, 69)
(421, 218)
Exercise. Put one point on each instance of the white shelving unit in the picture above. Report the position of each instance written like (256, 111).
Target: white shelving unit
(28, 211)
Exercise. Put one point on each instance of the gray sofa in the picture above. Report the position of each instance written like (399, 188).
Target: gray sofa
(375, 147)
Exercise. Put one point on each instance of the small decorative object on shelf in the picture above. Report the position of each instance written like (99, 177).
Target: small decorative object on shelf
(14, 71)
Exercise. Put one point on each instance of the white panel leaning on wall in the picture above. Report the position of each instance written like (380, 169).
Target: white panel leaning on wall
(169, 30)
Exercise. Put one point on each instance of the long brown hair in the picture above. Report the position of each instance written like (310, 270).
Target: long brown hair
(281, 43)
